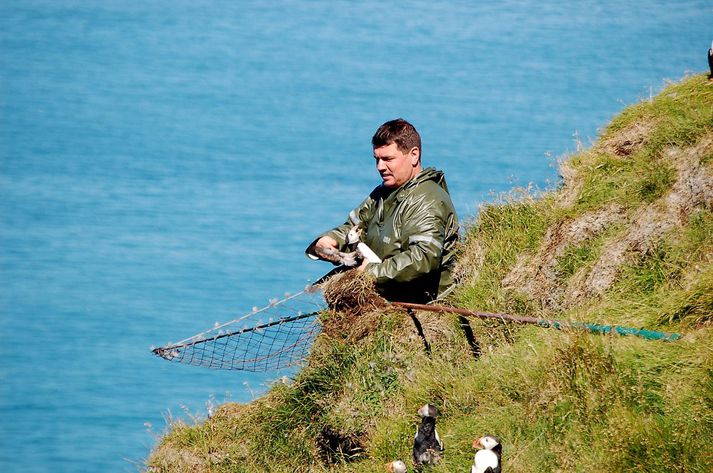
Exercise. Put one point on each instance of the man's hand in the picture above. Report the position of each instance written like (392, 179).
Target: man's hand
(363, 264)
(326, 248)
(326, 242)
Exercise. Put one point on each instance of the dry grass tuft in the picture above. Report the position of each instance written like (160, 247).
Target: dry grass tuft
(627, 141)
(354, 303)
(471, 257)
(352, 292)
(351, 326)
(230, 409)
(572, 184)
(177, 459)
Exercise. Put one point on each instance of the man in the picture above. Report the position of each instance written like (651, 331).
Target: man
(409, 221)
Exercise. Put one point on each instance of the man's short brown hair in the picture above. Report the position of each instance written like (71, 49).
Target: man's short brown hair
(397, 131)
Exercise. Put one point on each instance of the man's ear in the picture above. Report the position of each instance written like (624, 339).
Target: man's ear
(415, 155)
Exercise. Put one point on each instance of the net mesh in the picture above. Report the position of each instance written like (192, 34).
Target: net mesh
(274, 337)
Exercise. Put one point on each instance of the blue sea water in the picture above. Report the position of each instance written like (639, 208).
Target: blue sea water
(163, 165)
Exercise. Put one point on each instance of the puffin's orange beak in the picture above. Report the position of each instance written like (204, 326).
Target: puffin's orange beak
(476, 443)
(389, 467)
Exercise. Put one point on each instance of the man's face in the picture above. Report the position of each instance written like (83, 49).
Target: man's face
(396, 167)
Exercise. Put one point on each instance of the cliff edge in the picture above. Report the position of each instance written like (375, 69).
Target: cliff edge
(626, 238)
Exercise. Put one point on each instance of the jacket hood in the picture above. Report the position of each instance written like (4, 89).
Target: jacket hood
(429, 174)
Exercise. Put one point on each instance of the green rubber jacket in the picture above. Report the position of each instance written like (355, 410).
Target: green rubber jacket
(414, 230)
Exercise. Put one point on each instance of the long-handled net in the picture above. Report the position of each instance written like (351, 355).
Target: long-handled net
(274, 337)
(281, 334)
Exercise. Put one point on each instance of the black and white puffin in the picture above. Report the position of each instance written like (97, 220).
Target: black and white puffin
(487, 458)
(427, 445)
(361, 249)
(396, 467)
(358, 251)
(710, 61)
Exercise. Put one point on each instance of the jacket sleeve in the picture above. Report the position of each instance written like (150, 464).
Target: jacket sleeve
(424, 231)
(359, 216)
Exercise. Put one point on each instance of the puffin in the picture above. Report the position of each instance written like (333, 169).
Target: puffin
(427, 445)
(358, 251)
(487, 458)
(396, 466)
(362, 250)
(710, 61)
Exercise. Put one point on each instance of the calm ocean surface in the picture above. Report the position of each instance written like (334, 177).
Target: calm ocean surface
(163, 165)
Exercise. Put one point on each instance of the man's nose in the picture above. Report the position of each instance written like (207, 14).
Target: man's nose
(380, 165)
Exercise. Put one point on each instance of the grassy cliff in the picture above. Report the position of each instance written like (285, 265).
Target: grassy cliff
(626, 239)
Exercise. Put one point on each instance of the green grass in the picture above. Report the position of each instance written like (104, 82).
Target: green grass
(679, 116)
(559, 400)
(506, 229)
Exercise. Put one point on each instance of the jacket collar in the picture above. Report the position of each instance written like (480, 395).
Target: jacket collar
(428, 174)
